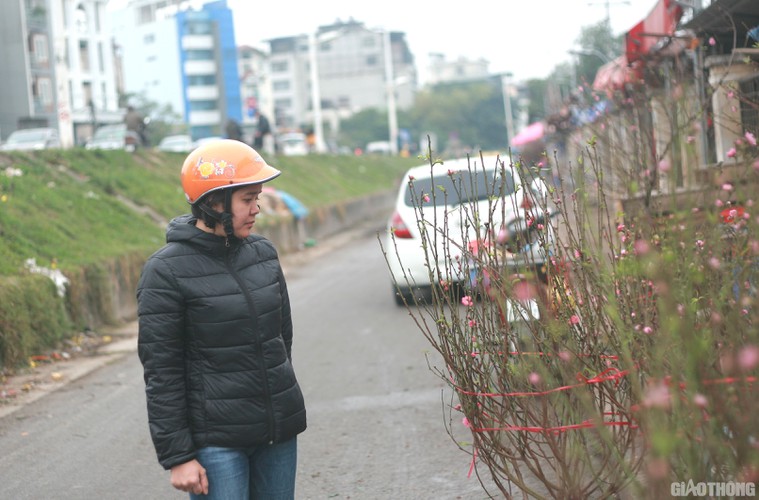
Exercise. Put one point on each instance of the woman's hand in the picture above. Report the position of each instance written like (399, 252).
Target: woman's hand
(190, 477)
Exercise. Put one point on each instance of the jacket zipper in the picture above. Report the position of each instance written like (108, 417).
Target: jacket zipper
(259, 346)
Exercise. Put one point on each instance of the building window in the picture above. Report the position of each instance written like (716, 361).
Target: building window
(371, 60)
(201, 80)
(39, 48)
(279, 66)
(80, 19)
(199, 55)
(101, 58)
(145, 15)
(84, 56)
(45, 91)
(283, 103)
(197, 28)
(368, 41)
(749, 100)
(148, 39)
(210, 105)
(281, 85)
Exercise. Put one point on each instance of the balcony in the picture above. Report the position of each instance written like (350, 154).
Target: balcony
(194, 42)
(203, 93)
(200, 67)
(204, 118)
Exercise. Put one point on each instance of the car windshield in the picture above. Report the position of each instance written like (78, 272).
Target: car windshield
(462, 187)
(28, 136)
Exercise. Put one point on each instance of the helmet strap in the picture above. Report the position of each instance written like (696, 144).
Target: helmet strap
(225, 217)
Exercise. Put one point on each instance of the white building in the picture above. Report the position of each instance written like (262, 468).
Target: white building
(56, 67)
(462, 69)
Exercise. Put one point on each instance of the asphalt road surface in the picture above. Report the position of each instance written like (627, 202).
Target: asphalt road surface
(375, 410)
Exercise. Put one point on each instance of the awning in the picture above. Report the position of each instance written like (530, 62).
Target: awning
(614, 75)
(660, 22)
(533, 132)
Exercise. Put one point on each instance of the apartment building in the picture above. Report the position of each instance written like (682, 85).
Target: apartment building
(57, 67)
(179, 53)
(350, 67)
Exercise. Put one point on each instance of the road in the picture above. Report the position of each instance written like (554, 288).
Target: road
(375, 410)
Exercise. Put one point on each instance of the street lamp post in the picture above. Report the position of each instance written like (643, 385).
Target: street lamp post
(506, 89)
(392, 112)
(316, 100)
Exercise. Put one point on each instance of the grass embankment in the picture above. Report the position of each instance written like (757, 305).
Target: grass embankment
(91, 214)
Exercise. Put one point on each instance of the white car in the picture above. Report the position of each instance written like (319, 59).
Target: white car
(31, 139)
(115, 136)
(176, 144)
(293, 144)
(441, 209)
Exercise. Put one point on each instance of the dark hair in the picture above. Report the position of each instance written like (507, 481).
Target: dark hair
(209, 201)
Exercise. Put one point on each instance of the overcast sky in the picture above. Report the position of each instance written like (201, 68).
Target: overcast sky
(525, 37)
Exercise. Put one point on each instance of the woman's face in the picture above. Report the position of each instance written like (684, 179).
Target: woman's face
(244, 210)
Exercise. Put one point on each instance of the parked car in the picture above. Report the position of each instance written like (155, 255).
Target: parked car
(176, 144)
(293, 144)
(206, 140)
(379, 148)
(456, 200)
(32, 139)
(115, 136)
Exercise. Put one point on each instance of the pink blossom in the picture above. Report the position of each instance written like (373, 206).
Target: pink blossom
(664, 165)
(714, 263)
(411, 177)
(450, 172)
(565, 355)
(575, 319)
(700, 243)
(731, 153)
(727, 186)
(620, 228)
(718, 203)
(472, 323)
(657, 396)
(690, 139)
(730, 94)
(748, 357)
(648, 330)
(467, 301)
(680, 309)
(750, 138)
(466, 423)
(712, 41)
(426, 198)
(642, 247)
(700, 400)
(534, 378)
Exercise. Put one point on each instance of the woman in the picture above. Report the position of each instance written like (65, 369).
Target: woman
(215, 337)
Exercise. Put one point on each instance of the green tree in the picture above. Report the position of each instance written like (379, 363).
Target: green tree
(163, 120)
(470, 114)
(597, 45)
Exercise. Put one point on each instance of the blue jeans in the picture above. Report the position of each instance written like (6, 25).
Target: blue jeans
(265, 472)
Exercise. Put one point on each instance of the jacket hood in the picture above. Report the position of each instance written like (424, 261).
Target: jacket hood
(182, 229)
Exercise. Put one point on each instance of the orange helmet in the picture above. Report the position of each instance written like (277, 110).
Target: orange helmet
(221, 164)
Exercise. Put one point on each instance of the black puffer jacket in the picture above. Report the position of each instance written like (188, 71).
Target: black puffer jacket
(215, 342)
